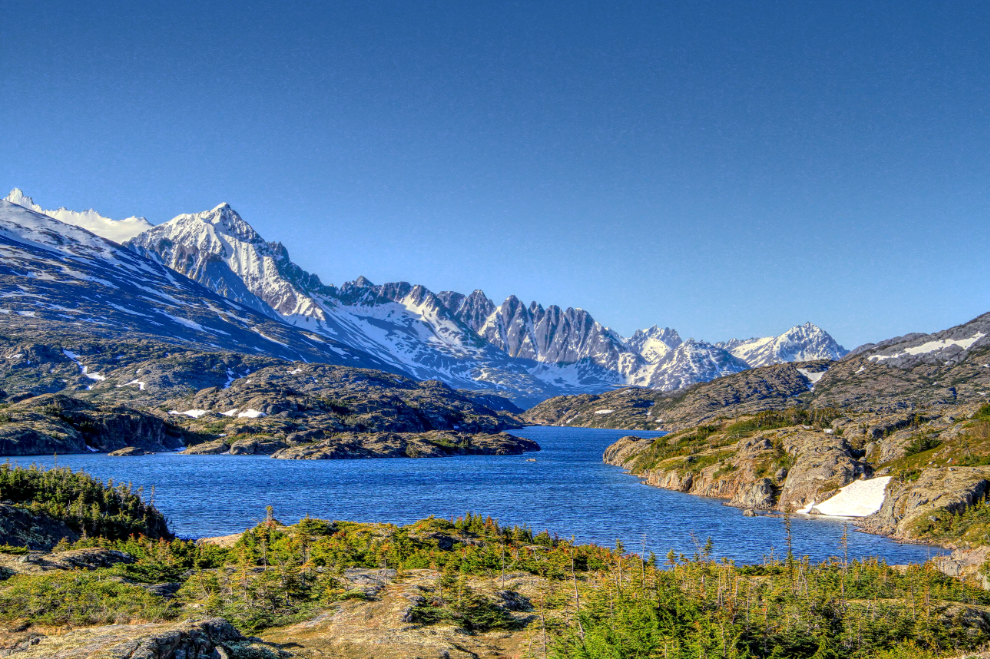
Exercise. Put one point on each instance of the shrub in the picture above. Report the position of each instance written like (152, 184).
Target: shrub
(79, 598)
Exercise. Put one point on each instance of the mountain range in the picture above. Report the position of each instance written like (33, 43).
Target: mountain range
(525, 352)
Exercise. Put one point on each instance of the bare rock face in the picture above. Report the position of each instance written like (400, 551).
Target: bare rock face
(91, 558)
(258, 446)
(624, 449)
(908, 506)
(128, 451)
(965, 563)
(761, 495)
(24, 528)
(216, 447)
(823, 464)
(211, 638)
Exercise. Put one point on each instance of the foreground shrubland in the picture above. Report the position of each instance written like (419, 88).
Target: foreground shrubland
(471, 586)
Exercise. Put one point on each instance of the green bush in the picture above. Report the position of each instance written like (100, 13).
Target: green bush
(921, 443)
(79, 598)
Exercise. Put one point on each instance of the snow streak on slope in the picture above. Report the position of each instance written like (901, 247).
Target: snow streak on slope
(115, 230)
(946, 347)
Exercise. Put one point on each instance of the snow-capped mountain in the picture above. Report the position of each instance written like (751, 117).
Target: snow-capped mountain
(59, 276)
(405, 325)
(542, 334)
(655, 357)
(525, 351)
(689, 363)
(655, 343)
(801, 343)
(115, 230)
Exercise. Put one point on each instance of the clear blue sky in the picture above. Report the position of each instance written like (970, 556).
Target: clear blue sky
(724, 168)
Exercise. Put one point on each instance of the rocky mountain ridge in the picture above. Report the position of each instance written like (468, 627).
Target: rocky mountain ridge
(529, 352)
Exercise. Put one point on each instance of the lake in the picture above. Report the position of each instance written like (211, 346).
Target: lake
(568, 491)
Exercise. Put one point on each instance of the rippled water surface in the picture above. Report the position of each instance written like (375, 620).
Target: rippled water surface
(568, 490)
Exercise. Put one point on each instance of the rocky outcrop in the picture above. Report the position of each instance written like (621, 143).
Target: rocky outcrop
(819, 464)
(21, 527)
(435, 444)
(256, 446)
(56, 423)
(92, 558)
(210, 638)
(625, 448)
(761, 495)
(912, 506)
(966, 564)
(128, 451)
(822, 464)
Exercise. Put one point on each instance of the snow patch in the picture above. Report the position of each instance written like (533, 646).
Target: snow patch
(251, 414)
(604, 411)
(195, 414)
(858, 499)
(932, 346)
(814, 377)
(140, 385)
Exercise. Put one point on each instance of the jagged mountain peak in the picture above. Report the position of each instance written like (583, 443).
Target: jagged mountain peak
(654, 342)
(18, 197)
(807, 342)
(118, 231)
(220, 250)
(222, 218)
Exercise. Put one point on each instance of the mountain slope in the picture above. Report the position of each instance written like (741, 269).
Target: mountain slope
(527, 351)
(115, 230)
(58, 276)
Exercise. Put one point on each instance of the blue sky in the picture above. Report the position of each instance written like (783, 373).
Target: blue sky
(727, 169)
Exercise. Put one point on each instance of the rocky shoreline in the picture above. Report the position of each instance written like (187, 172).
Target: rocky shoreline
(928, 468)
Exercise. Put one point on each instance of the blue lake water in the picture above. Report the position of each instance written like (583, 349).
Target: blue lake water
(568, 491)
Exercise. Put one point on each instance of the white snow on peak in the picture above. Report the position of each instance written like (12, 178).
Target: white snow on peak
(116, 230)
(798, 344)
(655, 343)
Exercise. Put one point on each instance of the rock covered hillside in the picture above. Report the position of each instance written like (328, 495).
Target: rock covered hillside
(903, 474)
(529, 352)
(943, 369)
